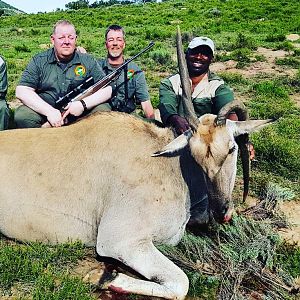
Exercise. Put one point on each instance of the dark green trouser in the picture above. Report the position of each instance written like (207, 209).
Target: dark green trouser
(100, 107)
(25, 117)
(4, 115)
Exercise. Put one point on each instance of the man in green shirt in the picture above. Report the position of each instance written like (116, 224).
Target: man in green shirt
(209, 95)
(52, 74)
(209, 92)
(130, 88)
(4, 110)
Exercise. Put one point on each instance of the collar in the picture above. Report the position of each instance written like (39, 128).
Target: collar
(108, 66)
(52, 58)
(200, 86)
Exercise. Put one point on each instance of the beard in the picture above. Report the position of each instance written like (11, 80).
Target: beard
(115, 53)
(197, 68)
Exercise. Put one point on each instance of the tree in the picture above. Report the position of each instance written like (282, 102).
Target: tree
(77, 4)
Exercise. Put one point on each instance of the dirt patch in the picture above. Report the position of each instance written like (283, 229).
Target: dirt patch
(296, 99)
(293, 37)
(257, 68)
(292, 211)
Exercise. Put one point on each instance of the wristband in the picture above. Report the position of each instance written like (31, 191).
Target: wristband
(84, 105)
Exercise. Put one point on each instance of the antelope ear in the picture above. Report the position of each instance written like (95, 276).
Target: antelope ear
(249, 126)
(177, 144)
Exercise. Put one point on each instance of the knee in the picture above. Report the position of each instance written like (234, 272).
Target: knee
(4, 115)
(180, 287)
(18, 117)
(24, 117)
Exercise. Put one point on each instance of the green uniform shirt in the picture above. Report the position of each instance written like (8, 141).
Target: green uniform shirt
(52, 79)
(209, 96)
(127, 93)
(3, 79)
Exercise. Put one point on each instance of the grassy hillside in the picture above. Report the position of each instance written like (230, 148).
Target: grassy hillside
(250, 35)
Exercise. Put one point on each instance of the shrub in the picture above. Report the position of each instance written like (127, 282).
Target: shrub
(161, 56)
(242, 56)
(244, 41)
(275, 37)
(287, 46)
(34, 32)
(288, 61)
(22, 48)
(234, 79)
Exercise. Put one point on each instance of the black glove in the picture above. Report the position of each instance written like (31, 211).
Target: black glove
(179, 123)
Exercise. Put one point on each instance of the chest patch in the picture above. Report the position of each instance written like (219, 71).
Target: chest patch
(80, 70)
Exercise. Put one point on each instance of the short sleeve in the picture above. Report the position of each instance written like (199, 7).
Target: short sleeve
(167, 100)
(224, 95)
(141, 92)
(30, 76)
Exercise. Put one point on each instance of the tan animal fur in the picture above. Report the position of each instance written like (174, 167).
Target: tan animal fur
(96, 181)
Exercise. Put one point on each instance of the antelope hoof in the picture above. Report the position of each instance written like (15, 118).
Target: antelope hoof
(100, 278)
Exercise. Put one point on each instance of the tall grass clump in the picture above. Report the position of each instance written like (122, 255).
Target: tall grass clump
(237, 261)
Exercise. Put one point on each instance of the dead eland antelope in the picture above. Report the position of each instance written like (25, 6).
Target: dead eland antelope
(96, 181)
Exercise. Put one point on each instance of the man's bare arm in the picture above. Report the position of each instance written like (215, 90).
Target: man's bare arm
(30, 98)
(148, 109)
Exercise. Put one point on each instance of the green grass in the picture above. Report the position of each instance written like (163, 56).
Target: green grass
(42, 270)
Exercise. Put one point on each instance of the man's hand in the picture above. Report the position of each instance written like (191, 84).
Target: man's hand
(54, 118)
(179, 123)
(73, 108)
(251, 151)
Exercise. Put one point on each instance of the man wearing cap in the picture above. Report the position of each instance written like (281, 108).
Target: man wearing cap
(209, 95)
(209, 92)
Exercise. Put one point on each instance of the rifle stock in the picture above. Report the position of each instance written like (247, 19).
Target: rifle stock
(75, 96)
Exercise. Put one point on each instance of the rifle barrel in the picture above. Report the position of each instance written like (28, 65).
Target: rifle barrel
(61, 102)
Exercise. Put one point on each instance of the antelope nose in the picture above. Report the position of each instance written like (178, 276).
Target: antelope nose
(228, 215)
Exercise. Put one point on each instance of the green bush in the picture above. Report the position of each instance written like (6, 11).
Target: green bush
(161, 56)
(244, 41)
(275, 37)
(22, 48)
(286, 45)
(288, 61)
(289, 257)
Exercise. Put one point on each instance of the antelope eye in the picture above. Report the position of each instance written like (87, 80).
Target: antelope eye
(231, 150)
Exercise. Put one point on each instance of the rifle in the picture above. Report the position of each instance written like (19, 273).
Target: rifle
(75, 94)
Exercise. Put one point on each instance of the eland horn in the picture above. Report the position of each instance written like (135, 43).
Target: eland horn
(242, 140)
(189, 111)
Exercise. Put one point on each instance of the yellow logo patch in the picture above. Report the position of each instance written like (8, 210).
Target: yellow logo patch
(80, 70)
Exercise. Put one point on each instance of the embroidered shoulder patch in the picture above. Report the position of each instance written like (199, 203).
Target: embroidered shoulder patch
(80, 70)
(130, 74)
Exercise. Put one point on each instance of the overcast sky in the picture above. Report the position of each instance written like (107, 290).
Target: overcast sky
(34, 6)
